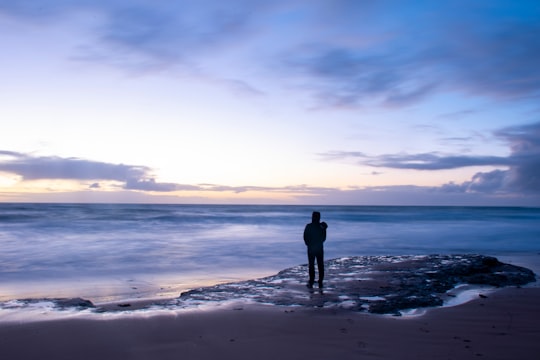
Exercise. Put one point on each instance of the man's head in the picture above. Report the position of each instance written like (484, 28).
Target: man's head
(316, 217)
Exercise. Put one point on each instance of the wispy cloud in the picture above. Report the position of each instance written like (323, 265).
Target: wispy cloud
(173, 33)
(522, 173)
(150, 184)
(343, 52)
(469, 48)
(164, 33)
(131, 177)
(435, 161)
(425, 161)
(352, 76)
(518, 179)
(53, 167)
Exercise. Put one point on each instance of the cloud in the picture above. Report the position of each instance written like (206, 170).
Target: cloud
(425, 161)
(144, 37)
(133, 177)
(152, 185)
(485, 188)
(349, 76)
(499, 63)
(146, 32)
(492, 182)
(37, 9)
(346, 53)
(54, 167)
(339, 155)
(174, 32)
(293, 189)
(485, 50)
(525, 146)
(31, 167)
(434, 161)
(522, 173)
(410, 195)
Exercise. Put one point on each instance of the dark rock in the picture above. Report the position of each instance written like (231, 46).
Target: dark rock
(73, 303)
(377, 284)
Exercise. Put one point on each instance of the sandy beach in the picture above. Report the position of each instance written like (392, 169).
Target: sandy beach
(503, 325)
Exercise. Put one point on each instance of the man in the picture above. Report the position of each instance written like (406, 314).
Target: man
(314, 237)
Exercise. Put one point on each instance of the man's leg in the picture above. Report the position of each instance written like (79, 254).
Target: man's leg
(311, 268)
(320, 266)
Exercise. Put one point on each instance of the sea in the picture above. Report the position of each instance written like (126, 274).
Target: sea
(117, 252)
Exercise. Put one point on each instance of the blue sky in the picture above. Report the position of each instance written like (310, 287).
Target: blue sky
(292, 102)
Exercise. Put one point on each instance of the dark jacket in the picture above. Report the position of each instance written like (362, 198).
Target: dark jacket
(314, 236)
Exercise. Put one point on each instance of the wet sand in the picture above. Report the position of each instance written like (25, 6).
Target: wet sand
(504, 325)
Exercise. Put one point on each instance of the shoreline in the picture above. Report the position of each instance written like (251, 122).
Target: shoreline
(362, 292)
(501, 325)
(166, 287)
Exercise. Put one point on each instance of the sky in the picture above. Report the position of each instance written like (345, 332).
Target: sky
(337, 102)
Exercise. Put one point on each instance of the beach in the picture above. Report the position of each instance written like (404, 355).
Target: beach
(207, 282)
(119, 252)
(501, 325)
(277, 317)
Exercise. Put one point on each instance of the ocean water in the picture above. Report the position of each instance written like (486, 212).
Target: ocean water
(113, 252)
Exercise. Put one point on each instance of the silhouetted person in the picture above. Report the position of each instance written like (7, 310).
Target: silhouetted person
(314, 237)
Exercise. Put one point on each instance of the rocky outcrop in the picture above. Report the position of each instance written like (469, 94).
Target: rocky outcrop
(376, 284)
(73, 303)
